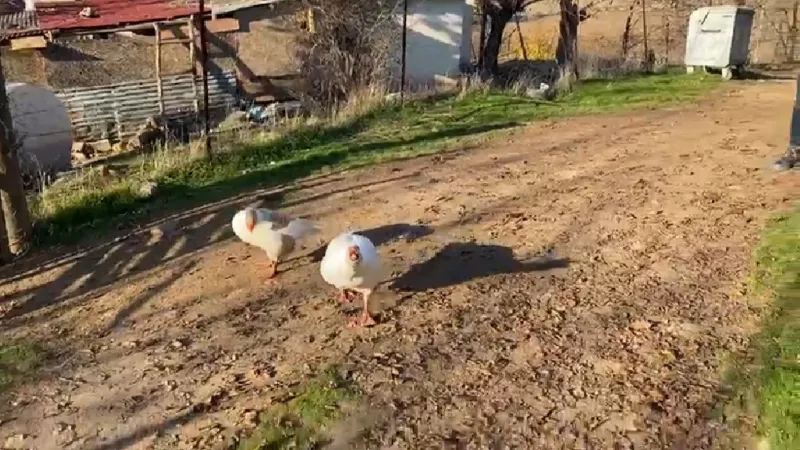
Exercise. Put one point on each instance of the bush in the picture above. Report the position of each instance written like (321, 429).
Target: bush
(348, 49)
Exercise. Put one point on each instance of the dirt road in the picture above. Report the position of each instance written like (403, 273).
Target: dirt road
(574, 285)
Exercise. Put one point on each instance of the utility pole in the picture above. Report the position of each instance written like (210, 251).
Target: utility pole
(644, 32)
(16, 219)
(404, 44)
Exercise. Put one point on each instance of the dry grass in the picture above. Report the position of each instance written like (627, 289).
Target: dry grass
(538, 46)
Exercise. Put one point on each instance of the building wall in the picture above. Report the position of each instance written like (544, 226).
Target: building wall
(26, 66)
(267, 40)
(438, 38)
(82, 62)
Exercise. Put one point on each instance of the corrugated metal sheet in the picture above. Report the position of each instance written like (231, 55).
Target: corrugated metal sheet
(109, 13)
(117, 111)
(19, 24)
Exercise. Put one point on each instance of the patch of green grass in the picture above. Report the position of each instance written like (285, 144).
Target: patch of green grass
(769, 386)
(73, 210)
(17, 361)
(303, 422)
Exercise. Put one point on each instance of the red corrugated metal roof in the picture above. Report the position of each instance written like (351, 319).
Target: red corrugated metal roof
(109, 13)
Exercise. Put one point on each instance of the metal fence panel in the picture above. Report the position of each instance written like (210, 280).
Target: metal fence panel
(116, 112)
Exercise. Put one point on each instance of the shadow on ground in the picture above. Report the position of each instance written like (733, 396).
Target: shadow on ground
(105, 265)
(462, 262)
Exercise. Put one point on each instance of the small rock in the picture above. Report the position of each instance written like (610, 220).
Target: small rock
(130, 344)
(64, 432)
(177, 344)
(250, 418)
(16, 441)
(163, 229)
(640, 325)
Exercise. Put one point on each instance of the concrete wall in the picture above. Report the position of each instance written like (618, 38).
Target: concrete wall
(439, 41)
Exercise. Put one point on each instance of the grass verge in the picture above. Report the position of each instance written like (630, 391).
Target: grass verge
(17, 361)
(768, 388)
(304, 421)
(90, 204)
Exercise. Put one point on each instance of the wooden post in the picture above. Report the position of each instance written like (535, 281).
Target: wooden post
(482, 37)
(644, 37)
(5, 253)
(159, 85)
(311, 20)
(16, 218)
(193, 60)
(204, 63)
(404, 51)
(760, 30)
(577, 37)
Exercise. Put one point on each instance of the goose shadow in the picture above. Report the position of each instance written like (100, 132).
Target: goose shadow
(461, 262)
(382, 235)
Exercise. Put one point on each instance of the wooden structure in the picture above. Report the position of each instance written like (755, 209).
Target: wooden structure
(170, 22)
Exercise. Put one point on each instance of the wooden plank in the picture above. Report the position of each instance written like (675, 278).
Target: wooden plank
(226, 25)
(175, 41)
(29, 42)
(159, 86)
(193, 61)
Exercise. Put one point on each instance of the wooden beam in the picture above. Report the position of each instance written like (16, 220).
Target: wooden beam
(175, 41)
(29, 42)
(158, 70)
(193, 61)
(225, 25)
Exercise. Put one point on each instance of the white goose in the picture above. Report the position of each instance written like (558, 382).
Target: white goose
(352, 263)
(271, 231)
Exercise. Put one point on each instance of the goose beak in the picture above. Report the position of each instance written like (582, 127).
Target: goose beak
(354, 253)
(250, 220)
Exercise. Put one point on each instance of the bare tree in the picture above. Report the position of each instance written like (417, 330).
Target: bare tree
(15, 209)
(350, 45)
(499, 13)
(567, 49)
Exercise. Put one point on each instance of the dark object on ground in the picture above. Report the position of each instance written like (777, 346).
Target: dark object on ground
(790, 158)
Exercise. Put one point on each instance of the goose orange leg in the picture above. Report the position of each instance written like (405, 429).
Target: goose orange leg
(366, 319)
(272, 270)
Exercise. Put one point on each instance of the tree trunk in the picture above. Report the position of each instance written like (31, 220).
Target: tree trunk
(482, 37)
(5, 252)
(15, 209)
(567, 44)
(498, 21)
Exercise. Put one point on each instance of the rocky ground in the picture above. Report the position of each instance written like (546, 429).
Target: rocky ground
(573, 285)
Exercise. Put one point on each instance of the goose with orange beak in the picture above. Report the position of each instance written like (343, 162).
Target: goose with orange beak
(275, 233)
(353, 264)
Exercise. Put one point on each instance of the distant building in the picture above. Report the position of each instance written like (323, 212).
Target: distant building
(439, 38)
